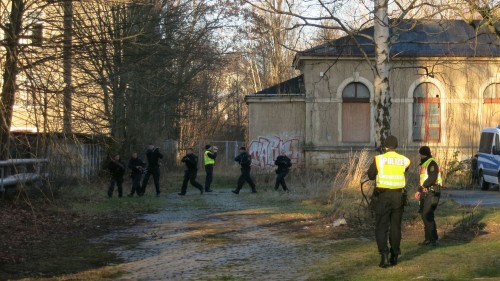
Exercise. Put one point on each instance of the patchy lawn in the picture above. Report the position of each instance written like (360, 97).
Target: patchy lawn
(59, 240)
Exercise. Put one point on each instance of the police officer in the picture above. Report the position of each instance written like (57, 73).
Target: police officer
(245, 161)
(209, 160)
(428, 194)
(136, 166)
(117, 169)
(388, 171)
(153, 154)
(284, 163)
(191, 161)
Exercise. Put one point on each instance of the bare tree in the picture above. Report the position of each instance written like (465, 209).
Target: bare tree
(153, 62)
(488, 11)
(67, 6)
(349, 17)
(12, 28)
(269, 43)
(382, 70)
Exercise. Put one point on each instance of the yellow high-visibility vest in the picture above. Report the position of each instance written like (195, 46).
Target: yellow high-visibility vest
(207, 160)
(391, 168)
(424, 175)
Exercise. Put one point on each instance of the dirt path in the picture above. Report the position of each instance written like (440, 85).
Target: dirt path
(227, 239)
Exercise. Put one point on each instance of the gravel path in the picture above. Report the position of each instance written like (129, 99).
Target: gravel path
(473, 197)
(230, 239)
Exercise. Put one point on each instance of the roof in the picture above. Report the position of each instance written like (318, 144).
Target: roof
(425, 38)
(294, 86)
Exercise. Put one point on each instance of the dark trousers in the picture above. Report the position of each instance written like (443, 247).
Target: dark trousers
(280, 179)
(209, 169)
(118, 181)
(191, 177)
(136, 183)
(155, 172)
(388, 217)
(245, 177)
(428, 204)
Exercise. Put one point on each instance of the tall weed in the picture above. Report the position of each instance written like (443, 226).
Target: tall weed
(353, 171)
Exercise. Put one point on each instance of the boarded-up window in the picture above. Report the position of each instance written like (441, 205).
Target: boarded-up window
(37, 34)
(491, 105)
(426, 113)
(356, 113)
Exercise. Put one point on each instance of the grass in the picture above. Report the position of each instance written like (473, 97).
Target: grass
(464, 254)
(99, 274)
(92, 199)
(225, 278)
(470, 236)
(470, 245)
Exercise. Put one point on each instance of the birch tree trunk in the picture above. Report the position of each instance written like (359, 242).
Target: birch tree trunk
(381, 82)
(117, 79)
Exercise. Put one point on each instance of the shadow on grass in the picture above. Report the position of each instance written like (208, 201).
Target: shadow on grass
(462, 232)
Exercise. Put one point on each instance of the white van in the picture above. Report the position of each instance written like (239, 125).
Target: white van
(488, 162)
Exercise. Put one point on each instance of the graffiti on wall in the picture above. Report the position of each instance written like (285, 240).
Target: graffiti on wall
(264, 150)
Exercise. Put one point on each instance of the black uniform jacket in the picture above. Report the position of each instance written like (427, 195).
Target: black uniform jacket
(133, 163)
(283, 163)
(191, 162)
(244, 159)
(154, 157)
(116, 168)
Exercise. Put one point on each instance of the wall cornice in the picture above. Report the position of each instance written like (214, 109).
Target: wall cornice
(274, 98)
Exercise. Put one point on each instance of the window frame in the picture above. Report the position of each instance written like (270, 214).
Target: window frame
(427, 102)
(486, 142)
(354, 100)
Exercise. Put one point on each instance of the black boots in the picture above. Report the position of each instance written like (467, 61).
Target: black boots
(427, 242)
(237, 191)
(394, 259)
(384, 261)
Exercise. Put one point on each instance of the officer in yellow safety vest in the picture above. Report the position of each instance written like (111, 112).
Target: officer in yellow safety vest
(209, 161)
(428, 194)
(388, 171)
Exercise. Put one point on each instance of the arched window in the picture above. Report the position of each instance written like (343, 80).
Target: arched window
(426, 113)
(356, 113)
(491, 105)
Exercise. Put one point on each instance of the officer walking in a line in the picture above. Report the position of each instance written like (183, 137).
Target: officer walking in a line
(428, 194)
(191, 161)
(388, 171)
(209, 160)
(153, 154)
(284, 163)
(245, 161)
(136, 166)
(117, 169)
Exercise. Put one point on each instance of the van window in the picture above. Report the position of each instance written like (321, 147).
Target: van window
(485, 142)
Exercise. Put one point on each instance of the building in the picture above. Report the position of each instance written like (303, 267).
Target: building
(444, 84)
(40, 83)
